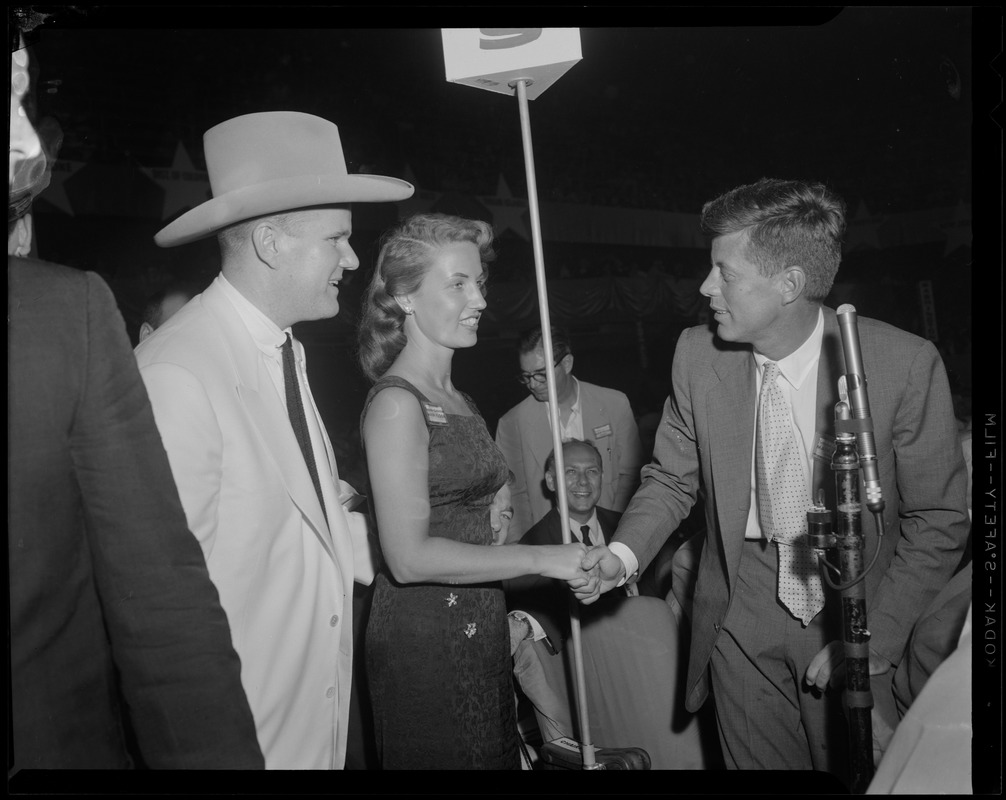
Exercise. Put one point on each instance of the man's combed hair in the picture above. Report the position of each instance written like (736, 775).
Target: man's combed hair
(530, 340)
(789, 223)
(406, 252)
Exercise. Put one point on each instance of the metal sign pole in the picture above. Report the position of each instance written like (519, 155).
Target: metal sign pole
(553, 408)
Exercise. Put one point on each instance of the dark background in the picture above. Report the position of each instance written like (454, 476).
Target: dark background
(877, 102)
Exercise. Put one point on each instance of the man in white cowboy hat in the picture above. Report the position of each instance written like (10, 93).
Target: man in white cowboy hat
(226, 379)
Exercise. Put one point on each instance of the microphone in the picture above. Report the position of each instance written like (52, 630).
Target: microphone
(855, 379)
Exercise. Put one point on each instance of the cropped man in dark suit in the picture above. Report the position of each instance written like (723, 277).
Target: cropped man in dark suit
(776, 246)
(114, 621)
(629, 639)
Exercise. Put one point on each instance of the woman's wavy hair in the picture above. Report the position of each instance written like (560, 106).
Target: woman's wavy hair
(406, 252)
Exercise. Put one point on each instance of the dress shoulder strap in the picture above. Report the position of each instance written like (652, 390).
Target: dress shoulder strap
(393, 380)
(471, 404)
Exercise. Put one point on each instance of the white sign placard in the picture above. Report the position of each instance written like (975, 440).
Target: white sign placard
(493, 58)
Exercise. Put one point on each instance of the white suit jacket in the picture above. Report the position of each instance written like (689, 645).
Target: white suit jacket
(525, 437)
(285, 577)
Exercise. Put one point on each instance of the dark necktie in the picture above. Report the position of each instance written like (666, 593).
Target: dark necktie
(295, 408)
(585, 533)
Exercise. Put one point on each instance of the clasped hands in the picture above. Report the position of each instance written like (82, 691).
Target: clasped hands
(603, 571)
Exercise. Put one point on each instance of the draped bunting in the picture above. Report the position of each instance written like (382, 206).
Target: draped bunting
(131, 190)
(595, 299)
(576, 222)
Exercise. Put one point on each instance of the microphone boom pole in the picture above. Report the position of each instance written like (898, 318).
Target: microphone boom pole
(855, 634)
(855, 453)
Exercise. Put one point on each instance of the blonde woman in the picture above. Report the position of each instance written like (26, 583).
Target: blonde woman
(437, 644)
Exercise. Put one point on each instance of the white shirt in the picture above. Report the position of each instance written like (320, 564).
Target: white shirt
(596, 537)
(573, 429)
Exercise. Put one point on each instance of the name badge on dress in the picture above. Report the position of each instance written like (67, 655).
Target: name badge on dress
(601, 432)
(434, 414)
(824, 447)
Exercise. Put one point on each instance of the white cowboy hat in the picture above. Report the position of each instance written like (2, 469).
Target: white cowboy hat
(272, 162)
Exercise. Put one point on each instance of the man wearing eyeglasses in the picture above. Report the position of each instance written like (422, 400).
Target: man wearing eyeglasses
(592, 413)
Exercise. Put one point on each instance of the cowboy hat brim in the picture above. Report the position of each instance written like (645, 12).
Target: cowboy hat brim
(277, 196)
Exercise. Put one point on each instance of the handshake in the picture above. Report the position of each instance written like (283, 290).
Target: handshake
(600, 570)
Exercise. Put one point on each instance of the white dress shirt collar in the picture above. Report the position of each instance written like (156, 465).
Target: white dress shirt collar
(266, 334)
(798, 365)
(595, 529)
(573, 429)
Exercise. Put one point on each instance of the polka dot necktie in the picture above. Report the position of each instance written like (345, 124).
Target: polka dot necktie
(783, 500)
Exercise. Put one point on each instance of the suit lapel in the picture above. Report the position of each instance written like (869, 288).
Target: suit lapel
(555, 527)
(731, 427)
(547, 531)
(268, 414)
(607, 521)
(538, 431)
(591, 411)
(263, 411)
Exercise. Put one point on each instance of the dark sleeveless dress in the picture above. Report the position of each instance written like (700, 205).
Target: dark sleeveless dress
(438, 655)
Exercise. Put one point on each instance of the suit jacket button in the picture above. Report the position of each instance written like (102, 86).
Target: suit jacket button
(334, 620)
(716, 627)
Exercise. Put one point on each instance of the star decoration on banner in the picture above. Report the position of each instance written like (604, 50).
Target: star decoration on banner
(862, 230)
(184, 186)
(958, 230)
(508, 212)
(55, 193)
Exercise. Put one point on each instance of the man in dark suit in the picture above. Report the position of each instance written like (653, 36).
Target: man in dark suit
(545, 599)
(114, 622)
(629, 639)
(776, 246)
